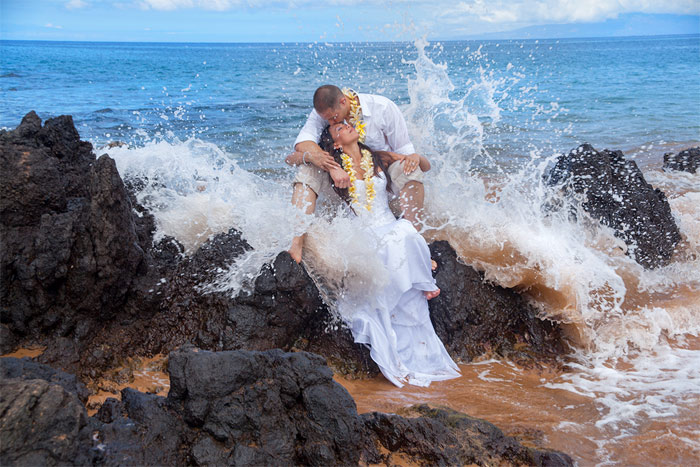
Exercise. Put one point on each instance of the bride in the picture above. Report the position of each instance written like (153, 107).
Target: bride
(395, 324)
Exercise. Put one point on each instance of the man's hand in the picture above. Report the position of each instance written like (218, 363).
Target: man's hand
(410, 162)
(315, 156)
(341, 179)
(322, 160)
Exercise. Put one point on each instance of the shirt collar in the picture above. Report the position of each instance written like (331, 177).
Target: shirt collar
(366, 112)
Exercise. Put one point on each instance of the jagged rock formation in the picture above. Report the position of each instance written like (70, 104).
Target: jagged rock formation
(26, 368)
(241, 408)
(686, 161)
(614, 191)
(70, 244)
(473, 317)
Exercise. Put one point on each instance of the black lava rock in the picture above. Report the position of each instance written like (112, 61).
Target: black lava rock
(237, 408)
(70, 249)
(25, 368)
(686, 161)
(473, 317)
(614, 191)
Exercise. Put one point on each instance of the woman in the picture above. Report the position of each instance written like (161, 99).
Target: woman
(396, 322)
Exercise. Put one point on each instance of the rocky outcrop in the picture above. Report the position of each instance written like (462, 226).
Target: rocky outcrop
(70, 247)
(442, 436)
(260, 408)
(26, 368)
(283, 310)
(686, 161)
(473, 317)
(40, 424)
(613, 190)
(241, 408)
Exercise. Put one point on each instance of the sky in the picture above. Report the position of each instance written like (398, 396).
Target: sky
(339, 20)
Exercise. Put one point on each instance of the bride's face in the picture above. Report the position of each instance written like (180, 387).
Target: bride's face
(343, 133)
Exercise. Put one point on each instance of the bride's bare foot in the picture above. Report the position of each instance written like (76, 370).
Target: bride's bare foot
(431, 294)
(433, 265)
(295, 250)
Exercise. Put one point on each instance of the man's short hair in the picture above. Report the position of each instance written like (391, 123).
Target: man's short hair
(327, 97)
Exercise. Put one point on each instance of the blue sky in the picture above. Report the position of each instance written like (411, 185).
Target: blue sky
(338, 20)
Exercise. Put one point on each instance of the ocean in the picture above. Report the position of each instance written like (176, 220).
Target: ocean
(209, 125)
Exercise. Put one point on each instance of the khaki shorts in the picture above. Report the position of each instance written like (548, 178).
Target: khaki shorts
(319, 180)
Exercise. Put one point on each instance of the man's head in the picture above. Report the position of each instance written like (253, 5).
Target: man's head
(331, 104)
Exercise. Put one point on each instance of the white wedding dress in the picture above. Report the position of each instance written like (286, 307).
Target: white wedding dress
(395, 323)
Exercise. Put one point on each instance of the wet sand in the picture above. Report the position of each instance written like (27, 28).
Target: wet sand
(146, 375)
(518, 401)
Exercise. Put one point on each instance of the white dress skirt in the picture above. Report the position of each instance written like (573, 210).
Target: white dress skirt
(395, 323)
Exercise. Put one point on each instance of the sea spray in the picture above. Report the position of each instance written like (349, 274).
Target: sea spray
(573, 268)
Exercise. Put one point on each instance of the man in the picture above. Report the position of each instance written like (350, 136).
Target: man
(381, 126)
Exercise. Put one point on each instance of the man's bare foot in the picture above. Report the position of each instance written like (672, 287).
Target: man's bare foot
(433, 265)
(431, 294)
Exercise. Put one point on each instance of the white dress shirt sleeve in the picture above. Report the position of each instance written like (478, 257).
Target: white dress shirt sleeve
(396, 131)
(312, 128)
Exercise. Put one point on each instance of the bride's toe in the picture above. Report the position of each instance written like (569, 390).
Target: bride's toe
(432, 294)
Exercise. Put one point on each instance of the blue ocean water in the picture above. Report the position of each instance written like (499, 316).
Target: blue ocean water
(528, 97)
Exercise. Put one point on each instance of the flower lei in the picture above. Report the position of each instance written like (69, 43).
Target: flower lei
(355, 117)
(368, 166)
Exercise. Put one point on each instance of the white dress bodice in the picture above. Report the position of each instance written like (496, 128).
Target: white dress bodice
(380, 214)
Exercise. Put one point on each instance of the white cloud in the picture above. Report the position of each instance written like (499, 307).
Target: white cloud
(223, 5)
(53, 26)
(75, 4)
(215, 5)
(560, 11)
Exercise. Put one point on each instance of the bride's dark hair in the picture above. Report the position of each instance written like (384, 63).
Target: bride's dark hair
(378, 158)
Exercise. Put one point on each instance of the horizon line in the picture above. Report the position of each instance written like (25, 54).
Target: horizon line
(348, 42)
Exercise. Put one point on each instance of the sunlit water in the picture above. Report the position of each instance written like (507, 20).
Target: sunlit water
(209, 128)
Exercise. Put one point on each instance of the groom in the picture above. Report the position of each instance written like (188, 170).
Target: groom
(380, 122)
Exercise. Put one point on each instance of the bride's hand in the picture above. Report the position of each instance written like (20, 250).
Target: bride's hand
(410, 162)
(341, 179)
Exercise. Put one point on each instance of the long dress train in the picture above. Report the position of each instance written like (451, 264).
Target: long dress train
(395, 324)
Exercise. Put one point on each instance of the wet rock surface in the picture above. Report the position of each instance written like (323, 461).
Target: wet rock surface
(70, 248)
(255, 407)
(473, 317)
(26, 368)
(283, 310)
(241, 408)
(686, 161)
(442, 436)
(40, 423)
(614, 191)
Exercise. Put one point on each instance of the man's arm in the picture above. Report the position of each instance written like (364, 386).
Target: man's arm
(308, 152)
(396, 131)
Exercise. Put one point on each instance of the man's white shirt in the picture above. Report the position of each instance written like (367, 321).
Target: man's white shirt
(385, 127)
